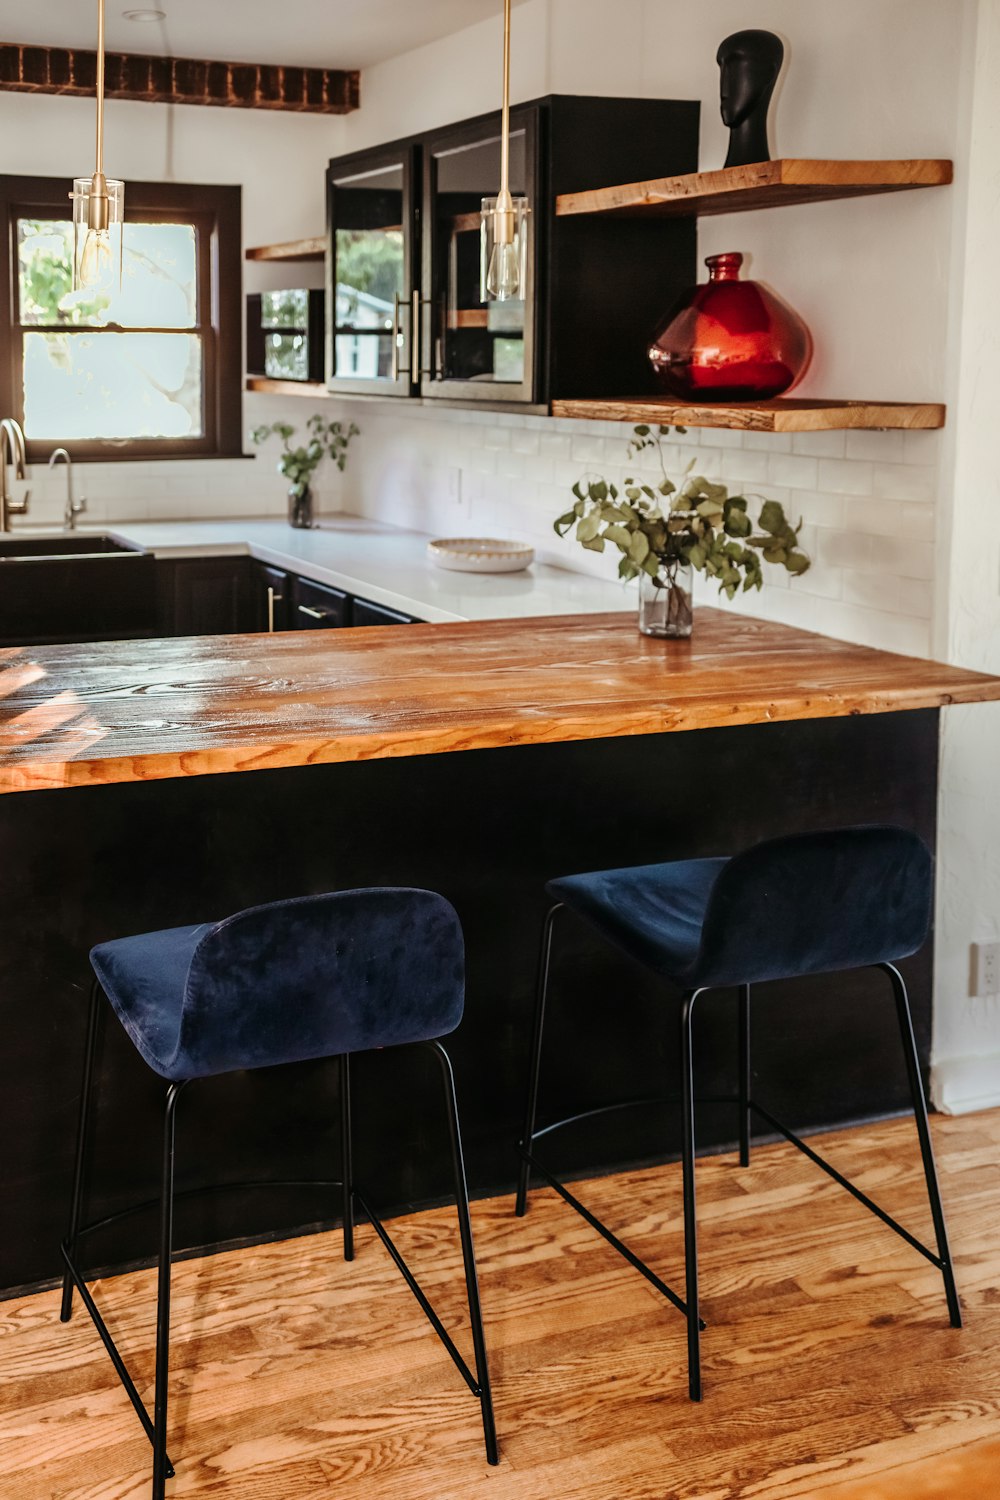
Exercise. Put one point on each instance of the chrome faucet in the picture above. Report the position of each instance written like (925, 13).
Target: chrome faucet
(74, 508)
(11, 449)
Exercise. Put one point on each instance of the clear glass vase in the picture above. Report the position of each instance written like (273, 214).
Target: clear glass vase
(666, 605)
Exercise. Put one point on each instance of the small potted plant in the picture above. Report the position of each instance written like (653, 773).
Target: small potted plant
(326, 440)
(664, 533)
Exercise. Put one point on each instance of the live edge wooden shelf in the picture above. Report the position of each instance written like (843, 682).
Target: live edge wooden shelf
(291, 250)
(788, 415)
(75, 716)
(768, 184)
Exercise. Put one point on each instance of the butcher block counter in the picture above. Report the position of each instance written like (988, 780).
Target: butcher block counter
(179, 781)
(74, 716)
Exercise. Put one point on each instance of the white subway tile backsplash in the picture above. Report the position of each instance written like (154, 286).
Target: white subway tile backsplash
(880, 517)
(881, 447)
(904, 481)
(845, 476)
(793, 471)
(820, 444)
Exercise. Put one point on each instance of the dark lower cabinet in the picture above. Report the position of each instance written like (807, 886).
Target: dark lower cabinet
(316, 606)
(363, 612)
(204, 595)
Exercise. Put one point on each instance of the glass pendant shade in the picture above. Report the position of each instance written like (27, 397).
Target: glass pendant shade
(730, 340)
(503, 251)
(97, 234)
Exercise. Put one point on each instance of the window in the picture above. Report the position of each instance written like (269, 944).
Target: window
(158, 372)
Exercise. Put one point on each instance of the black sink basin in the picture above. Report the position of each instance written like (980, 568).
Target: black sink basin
(74, 587)
(69, 544)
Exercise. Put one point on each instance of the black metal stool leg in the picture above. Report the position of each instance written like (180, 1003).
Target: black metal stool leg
(81, 1147)
(346, 1156)
(924, 1133)
(161, 1464)
(531, 1108)
(468, 1255)
(744, 1075)
(690, 1201)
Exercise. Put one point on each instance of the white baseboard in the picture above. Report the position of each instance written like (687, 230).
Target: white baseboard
(962, 1085)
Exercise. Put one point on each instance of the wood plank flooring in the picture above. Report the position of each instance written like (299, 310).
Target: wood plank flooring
(830, 1370)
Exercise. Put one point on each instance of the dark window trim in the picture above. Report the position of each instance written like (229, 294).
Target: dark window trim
(217, 211)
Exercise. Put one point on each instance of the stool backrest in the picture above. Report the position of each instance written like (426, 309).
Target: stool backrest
(816, 902)
(322, 975)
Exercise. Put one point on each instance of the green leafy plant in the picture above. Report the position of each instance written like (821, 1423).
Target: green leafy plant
(662, 528)
(327, 440)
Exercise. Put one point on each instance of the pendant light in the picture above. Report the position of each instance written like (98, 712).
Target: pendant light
(504, 218)
(98, 208)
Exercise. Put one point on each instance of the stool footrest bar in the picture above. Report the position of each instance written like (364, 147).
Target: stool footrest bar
(844, 1182)
(119, 1364)
(607, 1234)
(417, 1291)
(224, 1187)
(609, 1109)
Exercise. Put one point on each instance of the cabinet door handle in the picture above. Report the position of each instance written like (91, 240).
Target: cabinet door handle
(397, 335)
(415, 339)
(272, 600)
(314, 614)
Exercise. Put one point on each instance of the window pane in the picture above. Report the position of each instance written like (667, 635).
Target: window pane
(286, 356)
(159, 277)
(284, 309)
(112, 385)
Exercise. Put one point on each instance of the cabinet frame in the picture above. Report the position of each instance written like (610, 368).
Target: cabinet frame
(362, 163)
(433, 385)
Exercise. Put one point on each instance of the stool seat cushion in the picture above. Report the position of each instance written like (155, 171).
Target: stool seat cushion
(654, 912)
(810, 903)
(313, 977)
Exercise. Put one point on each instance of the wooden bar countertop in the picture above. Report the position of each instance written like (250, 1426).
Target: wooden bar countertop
(88, 715)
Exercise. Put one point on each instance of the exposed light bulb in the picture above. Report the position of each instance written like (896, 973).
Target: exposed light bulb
(503, 279)
(98, 263)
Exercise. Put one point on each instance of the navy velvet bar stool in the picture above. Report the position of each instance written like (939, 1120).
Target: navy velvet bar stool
(790, 907)
(317, 977)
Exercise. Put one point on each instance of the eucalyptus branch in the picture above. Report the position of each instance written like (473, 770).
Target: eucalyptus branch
(660, 528)
(327, 440)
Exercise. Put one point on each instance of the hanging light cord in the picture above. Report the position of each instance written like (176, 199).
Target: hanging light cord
(504, 223)
(97, 202)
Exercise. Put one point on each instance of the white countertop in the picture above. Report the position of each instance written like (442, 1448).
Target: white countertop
(382, 563)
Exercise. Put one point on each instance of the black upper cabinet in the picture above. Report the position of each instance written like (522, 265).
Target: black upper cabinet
(372, 272)
(404, 234)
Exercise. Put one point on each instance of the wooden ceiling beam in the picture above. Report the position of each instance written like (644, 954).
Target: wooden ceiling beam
(180, 80)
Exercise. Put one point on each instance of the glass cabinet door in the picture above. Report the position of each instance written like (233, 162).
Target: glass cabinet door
(476, 348)
(370, 274)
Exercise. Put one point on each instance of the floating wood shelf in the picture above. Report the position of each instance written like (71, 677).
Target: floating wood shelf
(300, 250)
(766, 416)
(766, 184)
(267, 386)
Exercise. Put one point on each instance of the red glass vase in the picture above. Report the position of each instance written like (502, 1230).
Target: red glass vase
(730, 340)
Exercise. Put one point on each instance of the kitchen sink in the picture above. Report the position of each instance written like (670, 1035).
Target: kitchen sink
(74, 587)
(70, 544)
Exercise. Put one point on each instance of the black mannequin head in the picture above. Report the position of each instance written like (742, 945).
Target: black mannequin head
(750, 62)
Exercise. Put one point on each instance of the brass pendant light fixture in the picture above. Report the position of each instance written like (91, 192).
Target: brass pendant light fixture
(98, 208)
(504, 218)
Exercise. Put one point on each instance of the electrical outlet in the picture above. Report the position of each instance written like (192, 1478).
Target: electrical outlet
(455, 493)
(984, 970)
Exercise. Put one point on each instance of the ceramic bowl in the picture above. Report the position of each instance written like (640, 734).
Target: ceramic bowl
(479, 554)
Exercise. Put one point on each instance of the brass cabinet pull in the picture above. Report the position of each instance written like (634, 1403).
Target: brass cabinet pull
(270, 610)
(397, 303)
(314, 614)
(415, 302)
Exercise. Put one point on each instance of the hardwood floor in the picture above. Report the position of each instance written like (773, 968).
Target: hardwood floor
(830, 1370)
